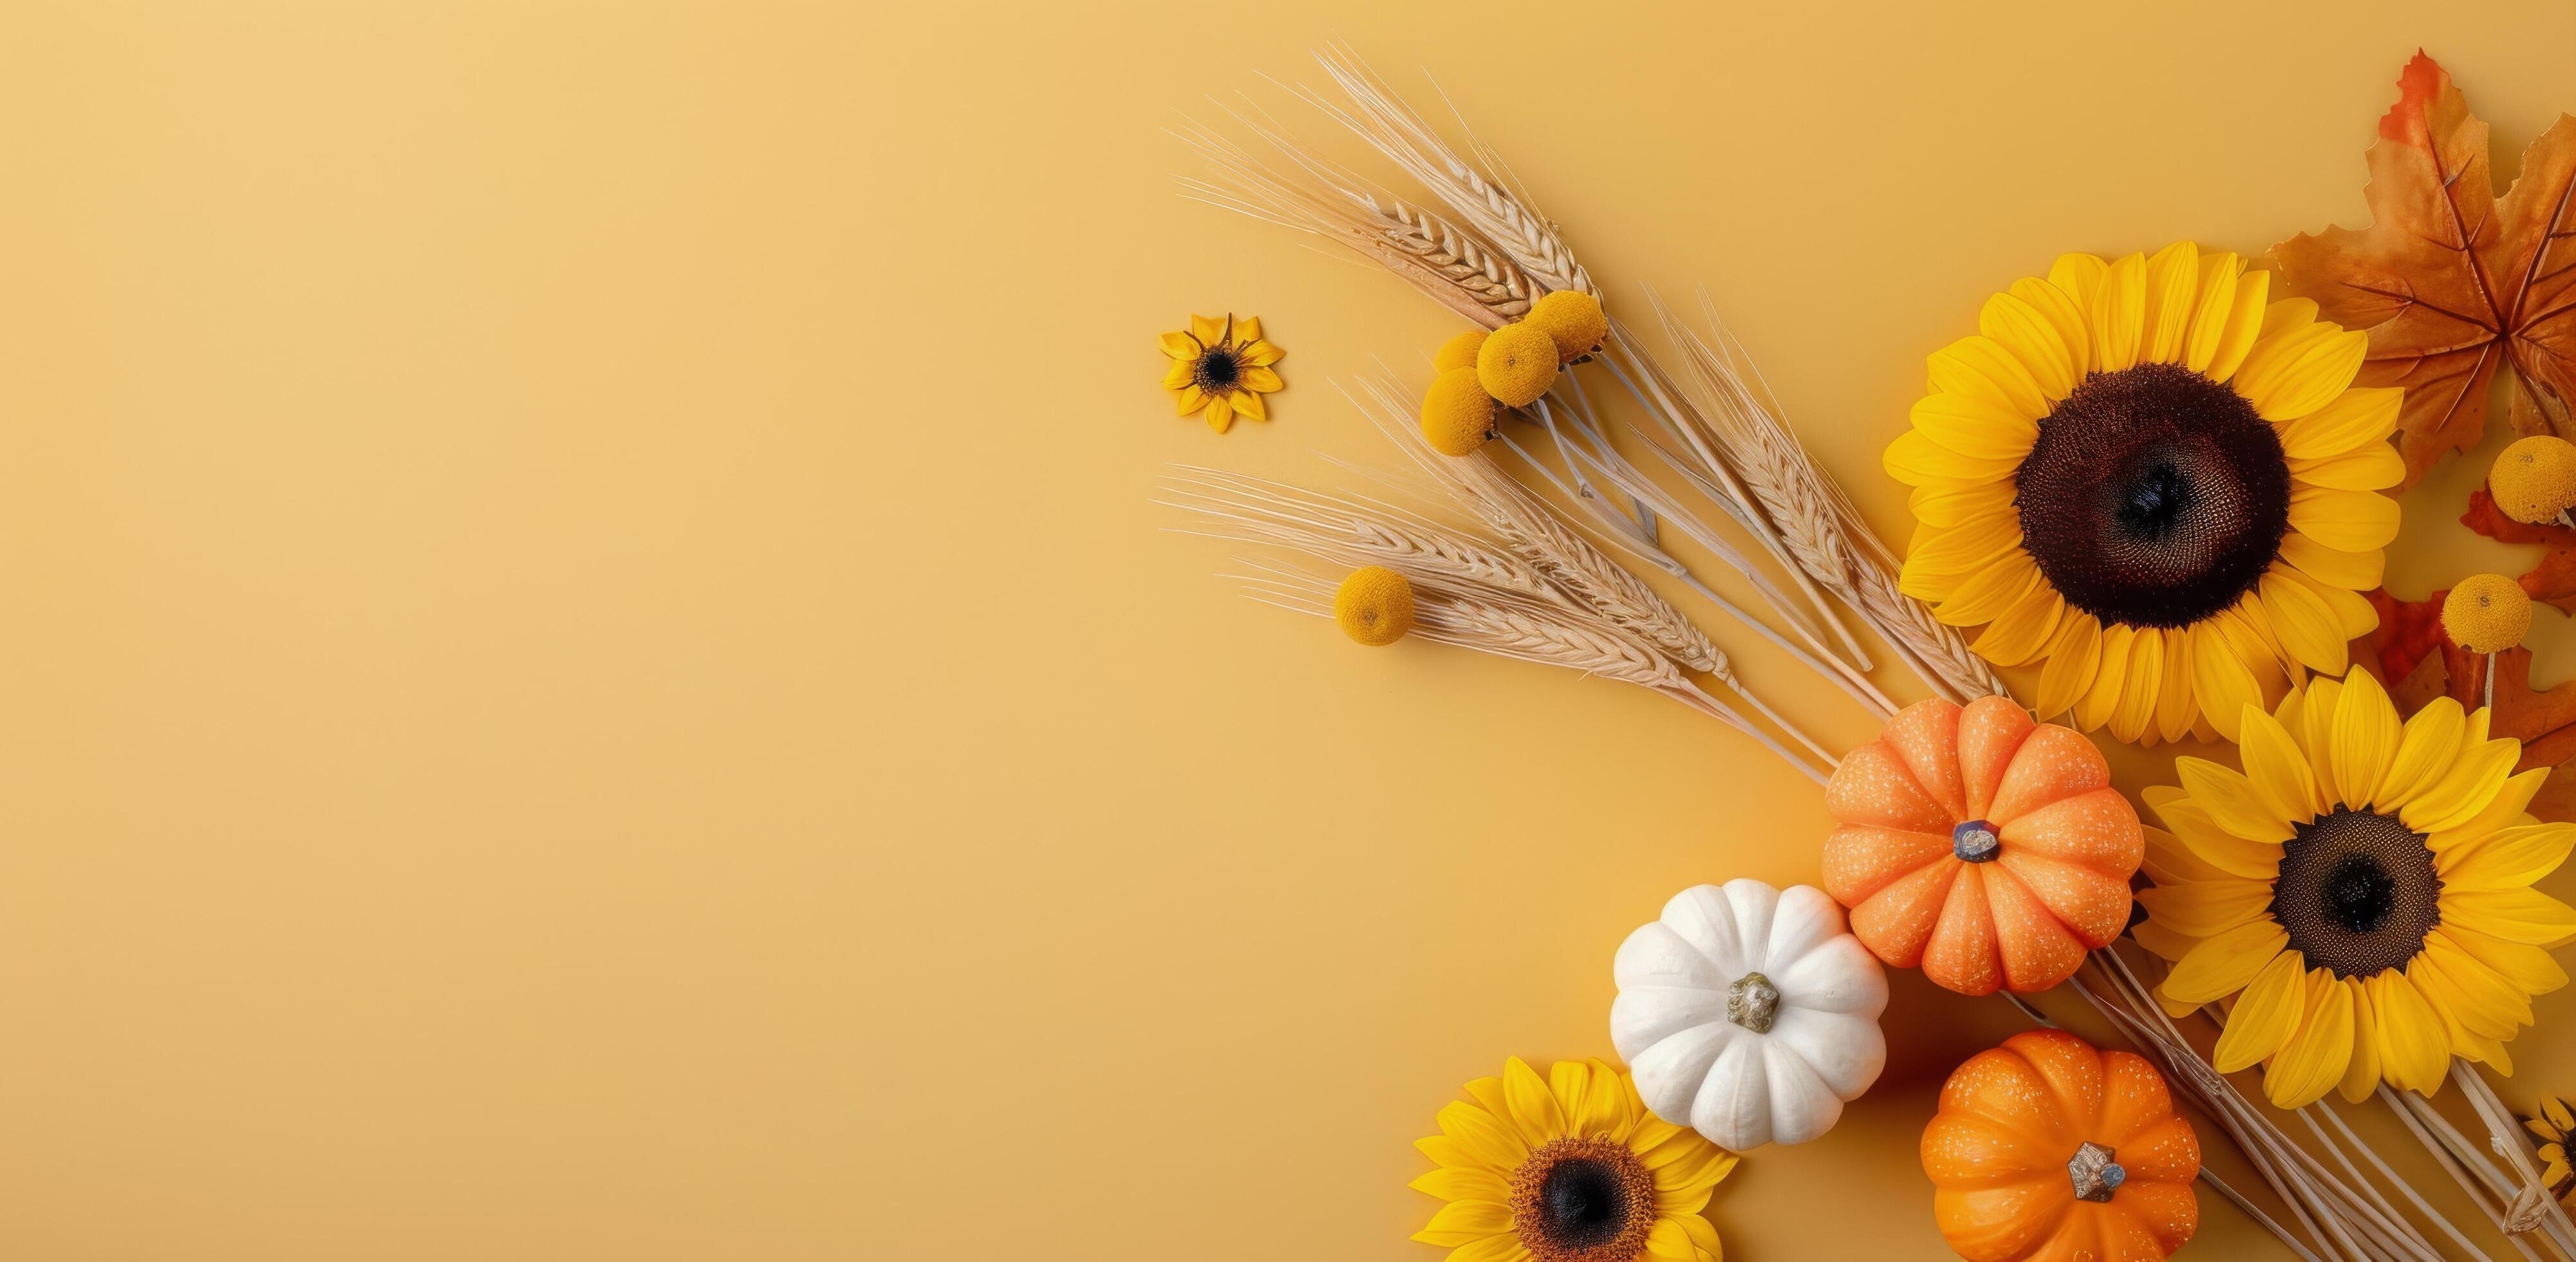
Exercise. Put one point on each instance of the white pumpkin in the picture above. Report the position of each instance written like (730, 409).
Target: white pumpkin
(1749, 1014)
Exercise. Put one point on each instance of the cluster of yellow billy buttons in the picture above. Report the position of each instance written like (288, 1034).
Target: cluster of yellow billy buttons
(1483, 373)
(2533, 482)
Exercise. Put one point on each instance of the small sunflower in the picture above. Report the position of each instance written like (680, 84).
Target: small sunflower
(2163, 487)
(1221, 368)
(2366, 885)
(1568, 1168)
(2555, 1123)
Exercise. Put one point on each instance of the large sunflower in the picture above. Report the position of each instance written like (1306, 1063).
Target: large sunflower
(1568, 1168)
(2365, 884)
(2159, 484)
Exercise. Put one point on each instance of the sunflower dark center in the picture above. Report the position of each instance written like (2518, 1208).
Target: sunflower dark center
(1582, 1199)
(2357, 892)
(1218, 369)
(2154, 496)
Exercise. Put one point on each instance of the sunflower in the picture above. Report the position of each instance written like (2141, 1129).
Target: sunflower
(2365, 884)
(2554, 1125)
(1222, 368)
(1568, 1168)
(2158, 484)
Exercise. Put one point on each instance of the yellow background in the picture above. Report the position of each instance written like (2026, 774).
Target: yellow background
(589, 672)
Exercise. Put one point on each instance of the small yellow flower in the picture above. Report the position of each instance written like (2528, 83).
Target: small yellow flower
(1573, 320)
(1457, 414)
(1374, 605)
(2486, 613)
(1221, 368)
(1459, 351)
(1568, 1167)
(2555, 1123)
(1517, 364)
(2534, 480)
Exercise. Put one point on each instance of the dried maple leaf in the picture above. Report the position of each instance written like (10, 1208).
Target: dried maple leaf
(2553, 581)
(2452, 281)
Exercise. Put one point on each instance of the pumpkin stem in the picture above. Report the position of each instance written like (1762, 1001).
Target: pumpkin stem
(1753, 1002)
(1975, 841)
(2094, 1173)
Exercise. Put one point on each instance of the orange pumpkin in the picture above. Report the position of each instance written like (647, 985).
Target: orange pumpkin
(2047, 1150)
(1989, 850)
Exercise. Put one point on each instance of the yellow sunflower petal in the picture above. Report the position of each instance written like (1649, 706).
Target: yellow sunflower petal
(2529, 968)
(2509, 858)
(2175, 710)
(2287, 316)
(1263, 379)
(1248, 403)
(2524, 915)
(2134, 714)
(1668, 1240)
(1247, 330)
(1181, 373)
(2065, 316)
(2312, 725)
(2211, 844)
(1702, 1233)
(2079, 277)
(1209, 330)
(2294, 374)
(1982, 597)
(2266, 1015)
(2353, 571)
(2073, 661)
(2504, 812)
(1958, 551)
(2119, 312)
(1262, 355)
(2172, 293)
(1976, 424)
(2479, 996)
(1916, 460)
(2314, 1059)
(1451, 1184)
(1220, 413)
(2093, 709)
(1958, 503)
(2307, 625)
(2032, 340)
(2218, 274)
(1460, 1222)
(2353, 521)
(2363, 739)
(2558, 1113)
(2361, 1076)
(1534, 1111)
(2205, 909)
(1180, 346)
(1192, 400)
(2023, 628)
(2414, 1054)
(2279, 771)
(2223, 683)
(2424, 753)
(2169, 861)
(2231, 799)
(2373, 468)
(2357, 420)
(2244, 325)
(2472, 781)
(2225, 964)
(1484, 1137)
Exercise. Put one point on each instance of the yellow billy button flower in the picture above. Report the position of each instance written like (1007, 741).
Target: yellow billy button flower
(1374, 605)
(2363, 888)
(1457, 415)
(2534, 479)
(2486, 613)
(1573, 320)
(1459, 351)
(1517, 363)
(1221, 368)
(2155, 484)
(1569, 1167)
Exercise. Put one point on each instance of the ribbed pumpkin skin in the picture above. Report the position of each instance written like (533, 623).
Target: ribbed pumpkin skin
(2059, 886)
(2012, 1116)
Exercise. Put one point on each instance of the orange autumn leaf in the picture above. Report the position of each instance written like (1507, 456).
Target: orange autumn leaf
(2453, 282)
(2553, 581)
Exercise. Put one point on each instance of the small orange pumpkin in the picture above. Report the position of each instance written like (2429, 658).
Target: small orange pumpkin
(2046, 1150)
(1987, 849)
